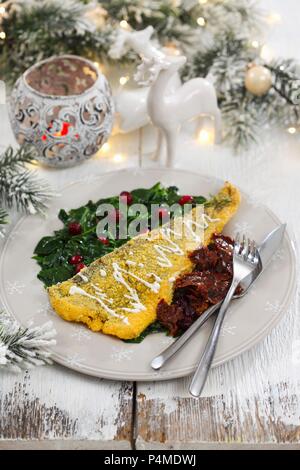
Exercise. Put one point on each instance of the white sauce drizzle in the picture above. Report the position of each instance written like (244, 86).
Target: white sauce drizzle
(172, 247)
(137, 306)
(83, 277)
(102, 273)
(206, 220)
(77, 290)
(154, 287)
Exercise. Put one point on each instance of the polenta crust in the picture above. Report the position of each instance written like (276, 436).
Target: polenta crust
(127, 325)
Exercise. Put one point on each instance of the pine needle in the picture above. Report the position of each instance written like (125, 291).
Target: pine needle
(24, 347)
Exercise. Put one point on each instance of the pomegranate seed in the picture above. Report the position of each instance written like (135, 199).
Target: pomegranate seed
(185, 200)
(115, 216)
(74, 228)
(126, 197)
(104, 240)
(162, 212)
(76, 259)
(79, 267)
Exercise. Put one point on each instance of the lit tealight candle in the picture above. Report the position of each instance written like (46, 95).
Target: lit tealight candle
(206, 137)
(2, 35)
(202, 2)
(292, 130)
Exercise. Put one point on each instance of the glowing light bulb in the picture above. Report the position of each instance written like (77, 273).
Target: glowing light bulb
(2, 35)
(124, 80)
(2, 10)
(118, 157)
(206, 137)
(292, 130)
(274, 18)
(255, 44)
(266, 53)
(201, 21)
(105, 147)
(124, 24)
(99, 66)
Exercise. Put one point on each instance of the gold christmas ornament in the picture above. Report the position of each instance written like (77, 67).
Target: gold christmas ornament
(258, 80)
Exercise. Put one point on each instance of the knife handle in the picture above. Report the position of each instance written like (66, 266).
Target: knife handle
(160, 360)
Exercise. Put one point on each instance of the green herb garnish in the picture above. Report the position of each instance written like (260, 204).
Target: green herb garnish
(155, 327)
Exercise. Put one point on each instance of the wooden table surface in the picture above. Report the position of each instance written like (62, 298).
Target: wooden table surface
(251, 401)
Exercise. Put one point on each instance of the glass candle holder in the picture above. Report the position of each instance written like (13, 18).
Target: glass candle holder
(62, 106)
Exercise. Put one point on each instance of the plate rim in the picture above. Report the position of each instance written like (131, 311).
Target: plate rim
(183, 372)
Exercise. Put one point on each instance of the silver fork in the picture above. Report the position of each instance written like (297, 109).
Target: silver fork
(245, 260)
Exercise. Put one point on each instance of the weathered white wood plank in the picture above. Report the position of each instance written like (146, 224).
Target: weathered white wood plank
(271, 420)
(52, 407)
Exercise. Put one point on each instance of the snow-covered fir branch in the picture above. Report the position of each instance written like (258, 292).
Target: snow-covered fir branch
(3, 221)
(20, 187)
(24, 347)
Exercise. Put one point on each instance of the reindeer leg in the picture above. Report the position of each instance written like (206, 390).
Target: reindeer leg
(171, 139)
(157, 153)
(218, 126)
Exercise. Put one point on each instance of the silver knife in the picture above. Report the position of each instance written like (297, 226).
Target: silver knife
(266, 250)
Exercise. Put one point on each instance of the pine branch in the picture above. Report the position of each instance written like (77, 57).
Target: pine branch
(24, 347)
(3, 221)
(242, 120)
(45, 28)
(14, 158)
(19, 186)
(286, 83)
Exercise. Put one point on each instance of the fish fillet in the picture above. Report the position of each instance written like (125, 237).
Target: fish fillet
(118, 293)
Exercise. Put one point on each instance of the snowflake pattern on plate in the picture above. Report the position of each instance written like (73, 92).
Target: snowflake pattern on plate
(119, 354)
(80, 334)
(15, 287)
(274, 307)
(45, 310)
(74, 359)
(278, 258)
(228, 329)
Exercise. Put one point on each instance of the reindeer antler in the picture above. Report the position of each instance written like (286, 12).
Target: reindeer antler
(148, 70)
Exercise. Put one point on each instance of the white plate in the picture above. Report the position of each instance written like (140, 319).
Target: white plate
(248, 321)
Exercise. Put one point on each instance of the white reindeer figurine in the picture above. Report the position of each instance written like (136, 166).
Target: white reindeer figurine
(170, 108)
(131, 104)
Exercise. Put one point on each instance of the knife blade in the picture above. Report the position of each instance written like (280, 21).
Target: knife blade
(267, 249)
